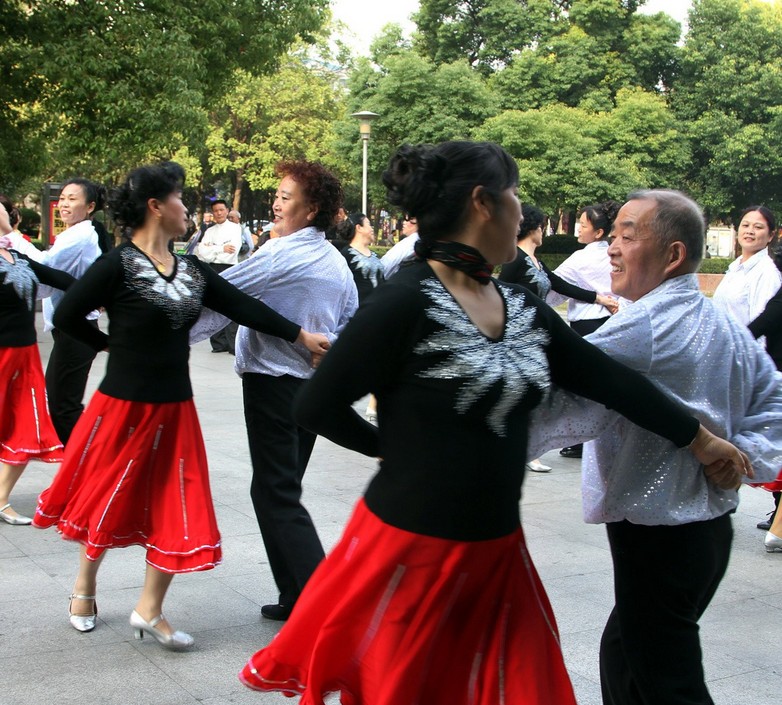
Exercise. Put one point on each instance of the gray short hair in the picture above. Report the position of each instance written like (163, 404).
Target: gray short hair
(677, 218)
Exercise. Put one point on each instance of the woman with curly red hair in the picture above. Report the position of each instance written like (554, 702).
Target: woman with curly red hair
(301, 275)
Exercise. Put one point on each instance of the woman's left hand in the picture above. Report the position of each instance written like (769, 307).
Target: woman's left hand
(317, 343)
(609, 302)
(725, 465)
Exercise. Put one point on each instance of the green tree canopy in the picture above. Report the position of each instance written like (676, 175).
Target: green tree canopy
(728, 94)
(265, 119)
(418, 102)
(571, 157)
(119, 82)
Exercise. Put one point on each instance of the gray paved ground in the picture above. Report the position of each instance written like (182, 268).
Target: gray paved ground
(43, 660)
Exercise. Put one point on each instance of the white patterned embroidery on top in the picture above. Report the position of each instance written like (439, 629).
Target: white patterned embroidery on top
(369, 266)
(539, 278)
(21, 278)
(179, 298)
(516, 361)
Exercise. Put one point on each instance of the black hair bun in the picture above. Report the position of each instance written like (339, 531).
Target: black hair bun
(610, 210)
(414, 177)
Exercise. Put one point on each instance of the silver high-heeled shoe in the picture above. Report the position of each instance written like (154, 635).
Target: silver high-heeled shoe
(17, 520)
(83, 622)
(175, 641)
(773, 542)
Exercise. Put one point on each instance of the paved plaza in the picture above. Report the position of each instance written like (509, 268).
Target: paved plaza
(43, 660)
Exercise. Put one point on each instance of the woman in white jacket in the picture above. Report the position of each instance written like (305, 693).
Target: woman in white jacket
(74, 250)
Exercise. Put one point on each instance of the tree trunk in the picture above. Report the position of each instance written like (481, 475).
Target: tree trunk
(237, 202)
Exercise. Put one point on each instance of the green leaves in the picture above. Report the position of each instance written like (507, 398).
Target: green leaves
(113, 83)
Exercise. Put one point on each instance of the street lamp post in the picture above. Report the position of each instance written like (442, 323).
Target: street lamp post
(364, 118)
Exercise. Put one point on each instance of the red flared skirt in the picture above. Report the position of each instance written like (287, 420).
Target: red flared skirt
(135, 473)
(395, 618)
(26, 430)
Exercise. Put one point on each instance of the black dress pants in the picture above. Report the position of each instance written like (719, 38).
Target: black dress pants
(225, 339)
(66, 379)
(664, 578)
(280, 450)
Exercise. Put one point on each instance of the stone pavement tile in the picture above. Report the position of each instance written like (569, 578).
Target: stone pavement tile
(587, 692)
(9, 548)
(22, 580)
(751, 688)
(38, 627)
(212, 666)
(576, 612)
(581, 659)
(105, 674)
(747, 630)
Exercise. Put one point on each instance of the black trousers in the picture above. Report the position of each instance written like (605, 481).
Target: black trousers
(224, 340)
(280, 450)
(664, 578)
(66, 379)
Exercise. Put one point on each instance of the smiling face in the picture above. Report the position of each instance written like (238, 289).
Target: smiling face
(365, 233)
(638, 262)
(754, 234)
(73, 205)
(292, 211)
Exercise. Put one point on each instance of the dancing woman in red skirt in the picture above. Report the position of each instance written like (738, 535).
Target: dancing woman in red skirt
(26, 430)
(431, 596)
(135, 469)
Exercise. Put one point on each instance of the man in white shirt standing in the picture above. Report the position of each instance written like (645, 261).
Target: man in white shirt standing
(668, 524)
(220, 247)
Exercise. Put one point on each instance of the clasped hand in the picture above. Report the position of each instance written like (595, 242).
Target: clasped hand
(723, 464)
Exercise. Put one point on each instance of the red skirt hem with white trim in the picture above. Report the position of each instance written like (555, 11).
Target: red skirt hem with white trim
(392, 617)
(26, 430)
(135, 473)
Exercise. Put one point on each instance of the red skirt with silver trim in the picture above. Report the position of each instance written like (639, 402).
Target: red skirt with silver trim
(135, 473)
(26, 430)
(395, 618)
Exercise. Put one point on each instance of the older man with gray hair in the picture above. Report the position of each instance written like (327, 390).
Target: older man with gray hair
(667, 518)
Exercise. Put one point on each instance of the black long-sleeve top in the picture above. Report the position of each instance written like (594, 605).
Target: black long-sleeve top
(149, 318)
(19, 283)
(540, 281)
(769, 323)
(454, 405)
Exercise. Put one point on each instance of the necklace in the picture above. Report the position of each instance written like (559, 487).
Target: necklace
(160, 266)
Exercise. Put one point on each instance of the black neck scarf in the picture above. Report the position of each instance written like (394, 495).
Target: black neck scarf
(454, 254)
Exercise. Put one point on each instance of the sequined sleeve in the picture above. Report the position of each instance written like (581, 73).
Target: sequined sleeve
(580, 367)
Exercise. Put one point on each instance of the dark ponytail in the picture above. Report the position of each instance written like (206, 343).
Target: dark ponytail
(128, 202)
(602, 216)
